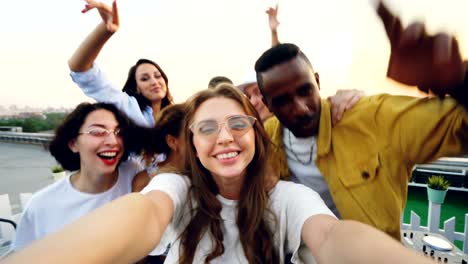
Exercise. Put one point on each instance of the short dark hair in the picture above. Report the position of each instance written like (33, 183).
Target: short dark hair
(278, 54)
(217, 80)
(130, 86)
(70, 127)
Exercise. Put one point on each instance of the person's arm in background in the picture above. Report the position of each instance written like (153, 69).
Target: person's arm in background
(343, 99)
(84, 57)
(421, 130)
(345, 241)
(273, 24)
(433, 63)
(87, 75)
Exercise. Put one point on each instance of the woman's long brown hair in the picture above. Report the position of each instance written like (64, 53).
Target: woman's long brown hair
(254, 230)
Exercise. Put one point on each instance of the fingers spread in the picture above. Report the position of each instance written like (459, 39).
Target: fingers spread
(353, 100)
(337, 107)
(339, 112)
(342, 101)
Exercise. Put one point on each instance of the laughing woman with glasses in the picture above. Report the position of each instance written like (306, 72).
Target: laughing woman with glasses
(90, 143)
(222, 210)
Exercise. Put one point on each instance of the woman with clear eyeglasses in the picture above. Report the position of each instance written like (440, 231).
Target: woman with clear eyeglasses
(221, 211)
(90, 143)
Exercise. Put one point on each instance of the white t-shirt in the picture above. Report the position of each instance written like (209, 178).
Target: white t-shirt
(301, 154)
(291, 203)
(60, 203)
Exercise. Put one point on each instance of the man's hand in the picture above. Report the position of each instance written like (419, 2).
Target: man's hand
(431, 62)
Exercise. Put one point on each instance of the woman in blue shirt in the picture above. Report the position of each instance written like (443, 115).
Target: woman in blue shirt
(145, 92)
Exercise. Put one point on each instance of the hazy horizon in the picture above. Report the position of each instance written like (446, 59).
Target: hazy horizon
(196, 40)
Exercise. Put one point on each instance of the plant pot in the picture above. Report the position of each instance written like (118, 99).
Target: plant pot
(58, 175)
(436, 196)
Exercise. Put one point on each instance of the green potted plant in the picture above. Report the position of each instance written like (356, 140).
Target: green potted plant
(437, 187)
(57, 172)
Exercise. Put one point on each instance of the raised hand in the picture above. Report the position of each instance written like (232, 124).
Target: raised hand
(273, 18)
(109, 15)
(85, 55)
(431, 62)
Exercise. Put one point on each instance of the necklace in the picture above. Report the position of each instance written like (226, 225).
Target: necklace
(296, 155)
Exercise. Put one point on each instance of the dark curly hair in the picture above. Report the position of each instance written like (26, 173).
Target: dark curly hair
(69, 128)
(130, 86)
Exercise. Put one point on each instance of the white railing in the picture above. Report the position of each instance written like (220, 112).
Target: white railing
(433, 221)
(29, 138)
(6, 212)
(7, 231)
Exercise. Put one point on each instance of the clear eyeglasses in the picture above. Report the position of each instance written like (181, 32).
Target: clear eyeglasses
(237, 125)
(101, 132)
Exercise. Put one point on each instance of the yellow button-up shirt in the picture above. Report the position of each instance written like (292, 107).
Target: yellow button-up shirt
(367, 158)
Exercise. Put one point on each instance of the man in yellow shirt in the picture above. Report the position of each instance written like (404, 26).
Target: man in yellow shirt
(363, 163)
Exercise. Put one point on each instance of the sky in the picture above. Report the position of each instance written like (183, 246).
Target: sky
(196, 40)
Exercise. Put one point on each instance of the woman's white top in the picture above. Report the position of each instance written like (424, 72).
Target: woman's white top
(60, 203)
(291, 203)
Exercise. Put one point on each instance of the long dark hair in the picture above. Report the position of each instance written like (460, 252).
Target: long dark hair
(152, 140)
(130, 86)
(254, 232)
(70, 127)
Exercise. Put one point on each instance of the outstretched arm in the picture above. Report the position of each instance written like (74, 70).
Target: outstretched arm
(334, 241)
(431, 62)
(83, 58)
(122, 231)
(273, 23)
